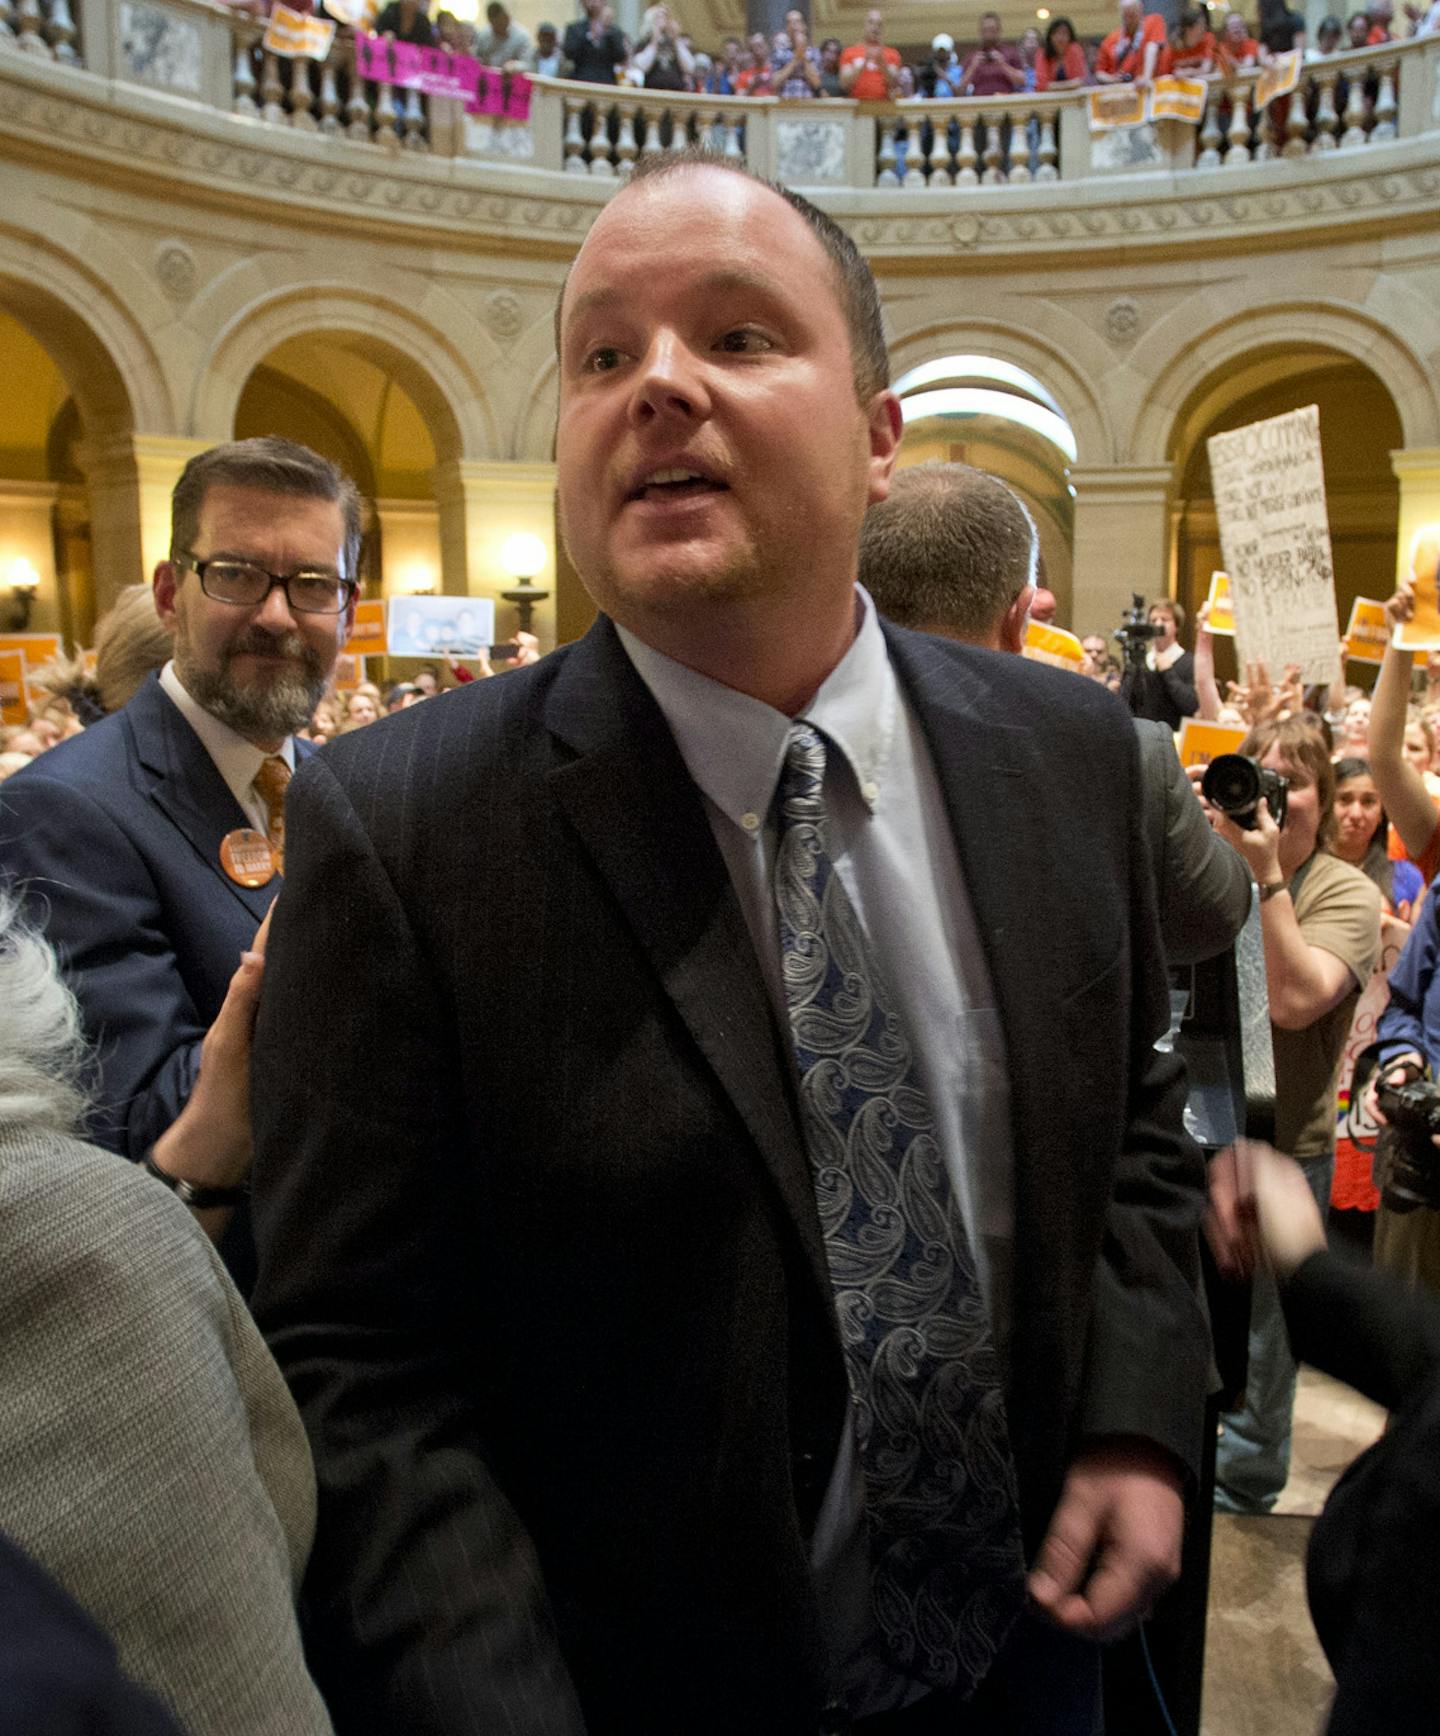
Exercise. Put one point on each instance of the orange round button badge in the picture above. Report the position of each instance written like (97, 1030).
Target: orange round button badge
(247, 858)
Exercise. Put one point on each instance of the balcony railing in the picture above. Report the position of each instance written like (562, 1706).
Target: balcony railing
(209, 52)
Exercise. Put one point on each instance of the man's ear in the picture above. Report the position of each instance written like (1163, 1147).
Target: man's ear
(163, 587)
(1015, 620)
(886, 428)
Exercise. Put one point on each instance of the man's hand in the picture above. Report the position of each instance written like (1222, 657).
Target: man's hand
(1260, 1206)
(1401, 606)
(1114, 1543)
(209, 1141)
(1259, 844)
(1398, 1070)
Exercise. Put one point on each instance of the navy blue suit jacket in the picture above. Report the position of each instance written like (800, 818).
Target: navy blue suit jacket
(539, 1247)
(58, 1675)
(113, 841)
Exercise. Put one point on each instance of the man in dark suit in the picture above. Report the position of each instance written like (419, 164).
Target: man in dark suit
(953, 551)
(149, 848)
(550, 1248)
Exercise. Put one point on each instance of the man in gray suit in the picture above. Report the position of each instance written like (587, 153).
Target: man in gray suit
(952, 551)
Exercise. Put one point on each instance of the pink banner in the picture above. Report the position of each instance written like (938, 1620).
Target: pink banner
(437, 72)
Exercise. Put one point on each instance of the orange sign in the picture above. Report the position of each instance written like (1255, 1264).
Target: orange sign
(1280, 77)
(1178, 99)
(1200, 742)
(1422, 631)
(1221, 618)
(349, 672)
(1117, 105)
(36, 648)
(1368, 633)
(367, 636)
(1044, 644)
(14, 694)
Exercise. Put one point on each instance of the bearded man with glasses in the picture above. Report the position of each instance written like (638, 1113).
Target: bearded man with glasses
(150, 848)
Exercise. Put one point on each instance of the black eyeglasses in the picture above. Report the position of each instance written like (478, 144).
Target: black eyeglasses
(309, 591)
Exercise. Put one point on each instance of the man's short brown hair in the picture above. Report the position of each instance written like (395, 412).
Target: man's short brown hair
(1176, 611)
(854, 281)
(949, 551)
(271, 463)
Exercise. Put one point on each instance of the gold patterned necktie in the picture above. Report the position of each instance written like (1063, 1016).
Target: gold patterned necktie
(940, 1494)
(270, 782)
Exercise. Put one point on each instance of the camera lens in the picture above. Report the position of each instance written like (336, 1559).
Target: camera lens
(1231, 783)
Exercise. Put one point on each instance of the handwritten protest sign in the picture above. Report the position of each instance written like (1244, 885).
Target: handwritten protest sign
(297, 35)
(437, 72)
(1422, 631)
(1053, 645)
(14, 694)
(1200, 742)
(1277, 79)
(1368, 633)
(1221, 618)
(367, 636)
(1275, 540)
(429, 626)
(36, 648)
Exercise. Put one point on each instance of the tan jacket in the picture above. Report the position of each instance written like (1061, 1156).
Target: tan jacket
(150, 1456)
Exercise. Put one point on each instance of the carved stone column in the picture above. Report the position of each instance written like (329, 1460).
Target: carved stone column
(482, 505)
(1121, 540)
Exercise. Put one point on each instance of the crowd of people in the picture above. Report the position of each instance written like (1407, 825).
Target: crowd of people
(1206, 42)
(626, 1204)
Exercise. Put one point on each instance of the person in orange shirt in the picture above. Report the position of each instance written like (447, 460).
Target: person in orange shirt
(1131, 53)
(1381, 14)
(1238, 48)
(1190, 53)
(869, 71)
(1060, 64)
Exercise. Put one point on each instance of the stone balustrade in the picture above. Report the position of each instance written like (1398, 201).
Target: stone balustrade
(208, 51)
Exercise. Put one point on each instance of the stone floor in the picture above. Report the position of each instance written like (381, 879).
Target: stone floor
(1265, 1674)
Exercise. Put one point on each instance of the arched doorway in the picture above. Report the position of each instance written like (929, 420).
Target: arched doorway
(991, 414)
(1359, 428)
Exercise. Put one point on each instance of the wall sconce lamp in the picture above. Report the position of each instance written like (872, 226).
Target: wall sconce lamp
(523, 556)
(23, 581)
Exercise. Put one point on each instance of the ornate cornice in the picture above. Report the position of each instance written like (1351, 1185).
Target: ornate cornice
(62, 118)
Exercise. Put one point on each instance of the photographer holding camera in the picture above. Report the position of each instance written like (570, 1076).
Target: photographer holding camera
(1159, 679)
(1320, 923)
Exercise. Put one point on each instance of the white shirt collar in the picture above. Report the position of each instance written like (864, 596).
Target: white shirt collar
(236, 759)
(734, 746)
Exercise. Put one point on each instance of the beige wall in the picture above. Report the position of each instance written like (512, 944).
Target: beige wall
(186, 284)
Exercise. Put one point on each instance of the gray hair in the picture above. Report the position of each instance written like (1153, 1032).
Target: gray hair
(42, 1049)
(949, 551)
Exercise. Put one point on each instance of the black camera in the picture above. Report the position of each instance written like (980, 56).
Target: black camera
(1407, 1165)
(1235, 784)
(1136, 631)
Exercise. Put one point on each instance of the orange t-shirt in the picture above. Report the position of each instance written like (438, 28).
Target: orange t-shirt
(1186, 62)
(1235, 55)
(1378, 34)
(869, 85)
(1071, 65)
(1110, 58)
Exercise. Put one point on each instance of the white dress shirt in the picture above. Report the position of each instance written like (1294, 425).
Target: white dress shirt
(893, 848)
(236, 759)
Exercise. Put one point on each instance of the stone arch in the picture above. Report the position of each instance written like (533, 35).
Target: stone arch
(1052, 366)
(1181, 372)
(535, 426)
(424, 360)
(100, 349)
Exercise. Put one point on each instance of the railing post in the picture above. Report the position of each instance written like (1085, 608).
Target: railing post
(1420, 88)
(1074, 141)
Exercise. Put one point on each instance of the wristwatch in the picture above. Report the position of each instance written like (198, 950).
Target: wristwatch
(196, 1195)
(1272, 889)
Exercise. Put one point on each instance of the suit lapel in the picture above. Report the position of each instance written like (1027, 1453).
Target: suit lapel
(187, 788)
(640, 817)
